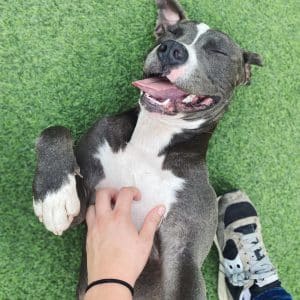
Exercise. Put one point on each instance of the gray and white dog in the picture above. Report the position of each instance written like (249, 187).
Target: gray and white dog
(159, 147)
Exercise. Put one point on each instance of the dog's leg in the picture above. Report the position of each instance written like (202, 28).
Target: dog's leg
(181, 278)
(65, 182)
(148, 285)
(186, 237)
(57, 178)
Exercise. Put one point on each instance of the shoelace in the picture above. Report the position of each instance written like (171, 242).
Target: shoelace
(260, 269)
(239, 278)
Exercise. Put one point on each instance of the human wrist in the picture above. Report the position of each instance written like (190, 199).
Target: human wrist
(103, 274)
(108, 291)
(118, 277)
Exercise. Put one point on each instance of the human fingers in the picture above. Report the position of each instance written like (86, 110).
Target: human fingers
(90, 215)
(103, 200)
(151, 222)
(125, 197)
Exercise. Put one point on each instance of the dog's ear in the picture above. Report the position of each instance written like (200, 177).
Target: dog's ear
(250, 58)
(170, 12)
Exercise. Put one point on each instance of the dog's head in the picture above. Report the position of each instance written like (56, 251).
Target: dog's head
(193, 69)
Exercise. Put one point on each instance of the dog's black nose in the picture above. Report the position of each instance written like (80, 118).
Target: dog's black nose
(172, 53)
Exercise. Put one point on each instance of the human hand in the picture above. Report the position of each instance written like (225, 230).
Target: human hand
(115, 249)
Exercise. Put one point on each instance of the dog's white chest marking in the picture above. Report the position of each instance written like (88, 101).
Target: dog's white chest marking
(134, 167)
(140, 165)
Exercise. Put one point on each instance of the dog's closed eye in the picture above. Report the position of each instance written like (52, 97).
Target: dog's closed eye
(217, 51)
(212, 47)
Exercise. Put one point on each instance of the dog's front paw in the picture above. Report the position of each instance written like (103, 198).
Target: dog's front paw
(58, 208)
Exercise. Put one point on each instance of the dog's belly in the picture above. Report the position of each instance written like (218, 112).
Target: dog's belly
(137, 167)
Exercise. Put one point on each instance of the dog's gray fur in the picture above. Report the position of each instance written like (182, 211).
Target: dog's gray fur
(186, 235)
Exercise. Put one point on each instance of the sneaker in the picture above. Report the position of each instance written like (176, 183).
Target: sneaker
(244, 262)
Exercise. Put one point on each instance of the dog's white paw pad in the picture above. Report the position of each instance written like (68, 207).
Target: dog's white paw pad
(58, 209)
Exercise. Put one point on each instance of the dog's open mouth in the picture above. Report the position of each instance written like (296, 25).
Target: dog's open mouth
(160, 95)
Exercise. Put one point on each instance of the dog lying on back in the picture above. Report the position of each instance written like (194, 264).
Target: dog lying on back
(159, 147)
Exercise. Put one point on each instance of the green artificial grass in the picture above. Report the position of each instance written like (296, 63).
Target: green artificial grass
(70, 62)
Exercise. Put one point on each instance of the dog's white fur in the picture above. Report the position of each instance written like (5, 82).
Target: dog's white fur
(202, 28)
(140, 164)
(59, 208)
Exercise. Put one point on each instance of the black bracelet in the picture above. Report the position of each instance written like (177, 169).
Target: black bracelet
(110, 280)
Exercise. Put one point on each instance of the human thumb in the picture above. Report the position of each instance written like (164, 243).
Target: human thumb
(151, 222)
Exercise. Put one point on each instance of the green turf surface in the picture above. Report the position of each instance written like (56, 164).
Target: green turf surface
(69, 62)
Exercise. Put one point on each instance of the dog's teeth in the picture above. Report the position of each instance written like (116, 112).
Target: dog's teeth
(188, 99)
(149, 97)
(165, 102)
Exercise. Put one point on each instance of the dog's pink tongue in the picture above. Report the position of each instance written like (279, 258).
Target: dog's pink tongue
(159, 88)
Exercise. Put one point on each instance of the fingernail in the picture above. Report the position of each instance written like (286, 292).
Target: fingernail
(161, 211)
